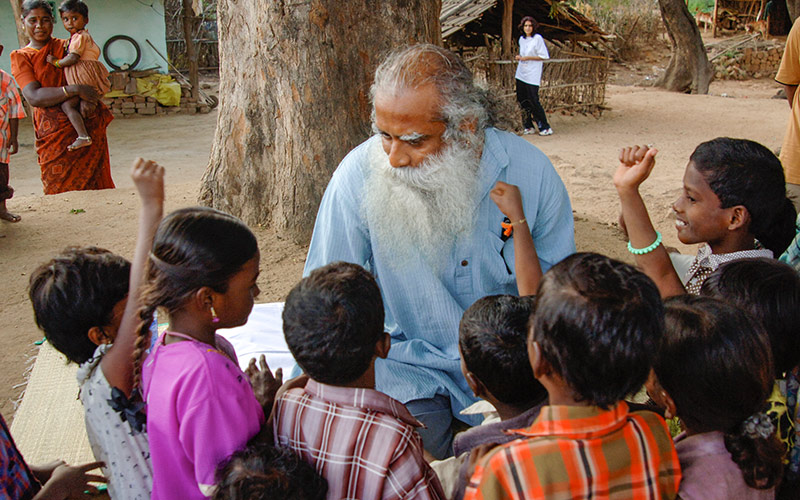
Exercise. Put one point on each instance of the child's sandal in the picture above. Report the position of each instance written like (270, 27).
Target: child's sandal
(87, 141)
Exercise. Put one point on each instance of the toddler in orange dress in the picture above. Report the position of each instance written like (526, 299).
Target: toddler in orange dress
(81, 65)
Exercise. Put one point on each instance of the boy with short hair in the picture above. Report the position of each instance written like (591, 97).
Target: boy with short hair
(360, 440)
(492, 337)
(11, 110)
(596, 327)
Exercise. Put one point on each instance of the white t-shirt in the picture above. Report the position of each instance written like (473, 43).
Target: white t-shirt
(126, 454)
(531, 71)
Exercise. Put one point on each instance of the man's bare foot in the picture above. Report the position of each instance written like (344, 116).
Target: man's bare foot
(9, 217)
(80, 142)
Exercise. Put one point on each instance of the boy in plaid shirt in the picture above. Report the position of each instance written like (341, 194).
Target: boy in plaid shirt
(360, 440)
(11, 111)
(595, 329)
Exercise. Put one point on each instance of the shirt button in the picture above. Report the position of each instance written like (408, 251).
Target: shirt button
(464, 263)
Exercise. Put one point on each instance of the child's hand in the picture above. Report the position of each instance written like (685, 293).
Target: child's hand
(51, 59)
(508, 200)
(70, 481)
(264, 384)
(635, 165)
(13, 146)
(148, 176)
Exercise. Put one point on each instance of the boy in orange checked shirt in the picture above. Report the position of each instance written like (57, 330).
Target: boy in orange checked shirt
(596, 326)
(11, 111)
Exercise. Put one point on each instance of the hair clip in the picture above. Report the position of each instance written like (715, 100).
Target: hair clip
(758, 425)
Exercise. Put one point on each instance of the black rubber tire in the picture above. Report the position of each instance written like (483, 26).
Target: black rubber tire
(127, 39)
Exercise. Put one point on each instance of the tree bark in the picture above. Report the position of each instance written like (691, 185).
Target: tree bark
(22, 38)
(294, 99)
(793, 6)
(191, 52)
(689, 69)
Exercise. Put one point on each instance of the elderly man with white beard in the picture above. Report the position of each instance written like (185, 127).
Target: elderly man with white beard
(411, 204)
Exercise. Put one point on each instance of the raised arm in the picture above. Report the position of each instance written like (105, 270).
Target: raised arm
(148, 177)
(526, 262)
(635, 165)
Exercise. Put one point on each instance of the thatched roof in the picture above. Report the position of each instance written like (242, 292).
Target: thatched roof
(464, 22)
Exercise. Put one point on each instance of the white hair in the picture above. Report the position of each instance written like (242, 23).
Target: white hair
(417, 213)
(461, 100)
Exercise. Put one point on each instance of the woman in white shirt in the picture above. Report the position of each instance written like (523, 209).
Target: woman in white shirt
(532, 51)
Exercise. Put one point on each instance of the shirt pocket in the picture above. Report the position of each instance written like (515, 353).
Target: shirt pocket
(496, 271)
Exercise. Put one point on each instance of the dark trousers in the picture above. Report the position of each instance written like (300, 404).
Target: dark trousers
(528, 98)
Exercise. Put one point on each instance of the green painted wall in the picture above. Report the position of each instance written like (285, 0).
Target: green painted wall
(139, 19)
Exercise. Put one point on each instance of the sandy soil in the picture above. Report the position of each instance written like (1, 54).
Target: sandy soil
(583, 149)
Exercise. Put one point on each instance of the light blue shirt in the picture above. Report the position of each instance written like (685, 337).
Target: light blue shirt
(423, 307)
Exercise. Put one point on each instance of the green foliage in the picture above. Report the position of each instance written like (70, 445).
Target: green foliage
(77, 211)
(701, 5)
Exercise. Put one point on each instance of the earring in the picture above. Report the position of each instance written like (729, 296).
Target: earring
(214, 317)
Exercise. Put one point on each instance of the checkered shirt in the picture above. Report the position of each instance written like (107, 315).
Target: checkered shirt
(360, 440)
(706, 263)
(10, 107)
(578, 452)
(16, 480)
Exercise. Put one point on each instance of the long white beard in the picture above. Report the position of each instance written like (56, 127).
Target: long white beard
(419, 212)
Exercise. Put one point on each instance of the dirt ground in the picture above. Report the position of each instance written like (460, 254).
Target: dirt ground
(583, 149)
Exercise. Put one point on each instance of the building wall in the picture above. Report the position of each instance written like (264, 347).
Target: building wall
(141, 20)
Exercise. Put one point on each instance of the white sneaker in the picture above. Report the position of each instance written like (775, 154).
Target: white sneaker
(547, 131)
(529, 131)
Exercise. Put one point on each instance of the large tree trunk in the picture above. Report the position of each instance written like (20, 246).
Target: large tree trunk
(688, 70)
(294, 98)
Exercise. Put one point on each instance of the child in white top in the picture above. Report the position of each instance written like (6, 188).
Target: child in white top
(85, 300)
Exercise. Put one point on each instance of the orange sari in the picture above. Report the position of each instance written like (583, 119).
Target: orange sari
(62, 170)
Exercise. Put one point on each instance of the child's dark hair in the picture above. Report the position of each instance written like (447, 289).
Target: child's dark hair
(743, 172)
(530, 20)
(769, 291)
(29, 5)
(264, 472)
(492, 337)
(74, 6)
(598, 322)
(716, 365)
(75, 291)
(332, 321)
(193, 247)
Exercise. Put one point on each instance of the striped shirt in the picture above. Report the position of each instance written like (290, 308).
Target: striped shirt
(360, 440)
(10, 107)
(578, 452)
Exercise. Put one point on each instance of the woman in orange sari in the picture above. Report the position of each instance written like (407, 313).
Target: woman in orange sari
(45, 88)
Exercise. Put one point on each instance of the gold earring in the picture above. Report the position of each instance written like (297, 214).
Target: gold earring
(214, 317)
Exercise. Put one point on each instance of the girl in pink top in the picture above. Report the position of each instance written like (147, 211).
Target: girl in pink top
(81, 65)
(714, 371)
(200, 406)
